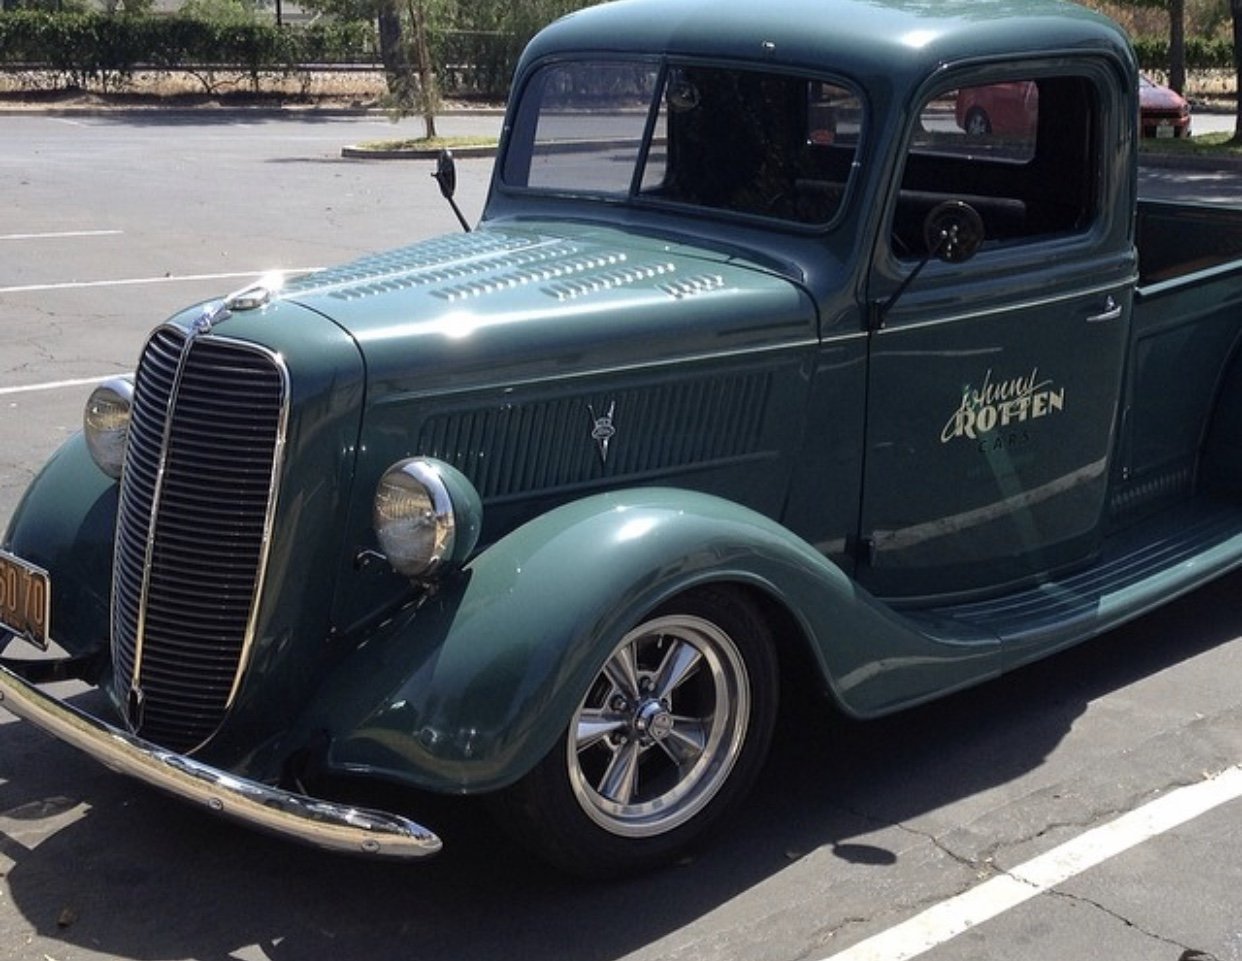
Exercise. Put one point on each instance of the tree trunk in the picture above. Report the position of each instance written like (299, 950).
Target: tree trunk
(1177, 45)
(392, 48)
(428, 92)
(1236, 7)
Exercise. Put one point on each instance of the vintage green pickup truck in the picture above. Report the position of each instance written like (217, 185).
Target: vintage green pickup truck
(759, 363)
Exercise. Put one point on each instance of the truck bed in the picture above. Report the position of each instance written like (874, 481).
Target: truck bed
(1177, 239)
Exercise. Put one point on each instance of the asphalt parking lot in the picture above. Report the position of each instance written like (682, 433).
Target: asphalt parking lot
(1087, 806)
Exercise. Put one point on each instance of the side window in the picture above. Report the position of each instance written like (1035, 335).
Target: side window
(1023, 153)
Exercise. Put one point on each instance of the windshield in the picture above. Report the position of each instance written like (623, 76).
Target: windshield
(744, 141)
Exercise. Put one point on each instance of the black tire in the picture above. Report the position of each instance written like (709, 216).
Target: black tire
(670, 736)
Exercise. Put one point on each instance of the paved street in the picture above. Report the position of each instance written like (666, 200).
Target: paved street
(111, 222)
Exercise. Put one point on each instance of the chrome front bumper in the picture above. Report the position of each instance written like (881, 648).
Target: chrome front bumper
(323, 824)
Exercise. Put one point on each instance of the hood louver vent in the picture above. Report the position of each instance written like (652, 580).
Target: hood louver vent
(546, 446)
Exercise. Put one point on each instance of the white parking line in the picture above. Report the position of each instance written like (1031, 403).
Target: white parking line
(947, 920)
(60, 234)
(54, 385)
(139, 281)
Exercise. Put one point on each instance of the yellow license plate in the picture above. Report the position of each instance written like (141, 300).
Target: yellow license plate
(25, 599)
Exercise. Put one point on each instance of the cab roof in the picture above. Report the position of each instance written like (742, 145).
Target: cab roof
(861, 38)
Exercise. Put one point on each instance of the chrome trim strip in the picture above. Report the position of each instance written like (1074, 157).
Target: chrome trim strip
(140, 616)
(323, 824)
(277, 476)
(1122, 282)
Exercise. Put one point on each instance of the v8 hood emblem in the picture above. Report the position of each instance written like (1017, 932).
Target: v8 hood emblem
(603, 429)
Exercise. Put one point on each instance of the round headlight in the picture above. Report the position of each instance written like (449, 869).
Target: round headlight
(427, 516)
(106, 424)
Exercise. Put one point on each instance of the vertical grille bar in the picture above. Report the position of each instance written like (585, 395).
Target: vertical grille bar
(196, 498)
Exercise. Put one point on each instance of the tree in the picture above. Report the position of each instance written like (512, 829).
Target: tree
(1235, 7)
(402, 27)
(428, 95)
(1177, 36)
(1177, 45)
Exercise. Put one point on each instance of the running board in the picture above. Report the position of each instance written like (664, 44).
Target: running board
(1138, 569)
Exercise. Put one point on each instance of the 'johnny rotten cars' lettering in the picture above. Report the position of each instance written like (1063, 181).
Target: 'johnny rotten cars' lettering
(998, 405)
(763, 357)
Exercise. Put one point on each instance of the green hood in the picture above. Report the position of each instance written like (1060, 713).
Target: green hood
(520, 303)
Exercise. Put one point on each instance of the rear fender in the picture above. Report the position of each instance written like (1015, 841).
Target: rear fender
(65, 523)
(468, 692)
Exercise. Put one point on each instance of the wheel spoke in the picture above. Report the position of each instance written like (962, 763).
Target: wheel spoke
(594, 725)
(686, 742)
(680, 663)
(620, 781)
(622, 671)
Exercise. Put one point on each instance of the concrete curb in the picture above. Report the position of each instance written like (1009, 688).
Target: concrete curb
(1180, 161)
(361, 153)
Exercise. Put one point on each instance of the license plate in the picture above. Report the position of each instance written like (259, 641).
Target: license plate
(1164, 130)
(25, 599)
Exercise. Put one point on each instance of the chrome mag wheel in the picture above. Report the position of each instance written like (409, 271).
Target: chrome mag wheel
(670, 734)
(661, 727)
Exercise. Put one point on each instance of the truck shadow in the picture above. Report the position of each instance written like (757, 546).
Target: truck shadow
(106, 866)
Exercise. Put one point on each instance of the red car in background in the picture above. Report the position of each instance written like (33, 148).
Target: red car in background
(1162, 112)
(998, 108)
(1013, 109)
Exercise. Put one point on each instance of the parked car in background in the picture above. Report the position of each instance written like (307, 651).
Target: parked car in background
(998, 108)
(1162, 112)
(1011, 109)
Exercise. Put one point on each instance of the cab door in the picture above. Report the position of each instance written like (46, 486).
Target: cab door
(994, 384)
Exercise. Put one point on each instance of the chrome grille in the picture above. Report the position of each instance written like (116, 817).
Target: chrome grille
(195, 498)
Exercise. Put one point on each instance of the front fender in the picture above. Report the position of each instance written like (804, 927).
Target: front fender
(65, 523)
(468, 692)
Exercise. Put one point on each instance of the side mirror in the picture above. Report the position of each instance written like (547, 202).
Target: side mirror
(446, 176)
(953, 232)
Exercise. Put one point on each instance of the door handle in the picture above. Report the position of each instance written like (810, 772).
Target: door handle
(1112, 311)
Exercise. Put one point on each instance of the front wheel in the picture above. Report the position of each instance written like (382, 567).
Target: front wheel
(670, 734)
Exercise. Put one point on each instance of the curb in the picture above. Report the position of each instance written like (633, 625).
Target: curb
(361, 153)
(1174, 161)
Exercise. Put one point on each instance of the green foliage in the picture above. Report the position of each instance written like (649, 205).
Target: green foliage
(487, 37)
(475, 44)
(48, 6)
(1201, 53)
(219, 11)
(85, 49)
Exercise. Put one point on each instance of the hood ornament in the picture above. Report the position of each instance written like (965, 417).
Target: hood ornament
(603, 430)
(211, 315)
(252, 297)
